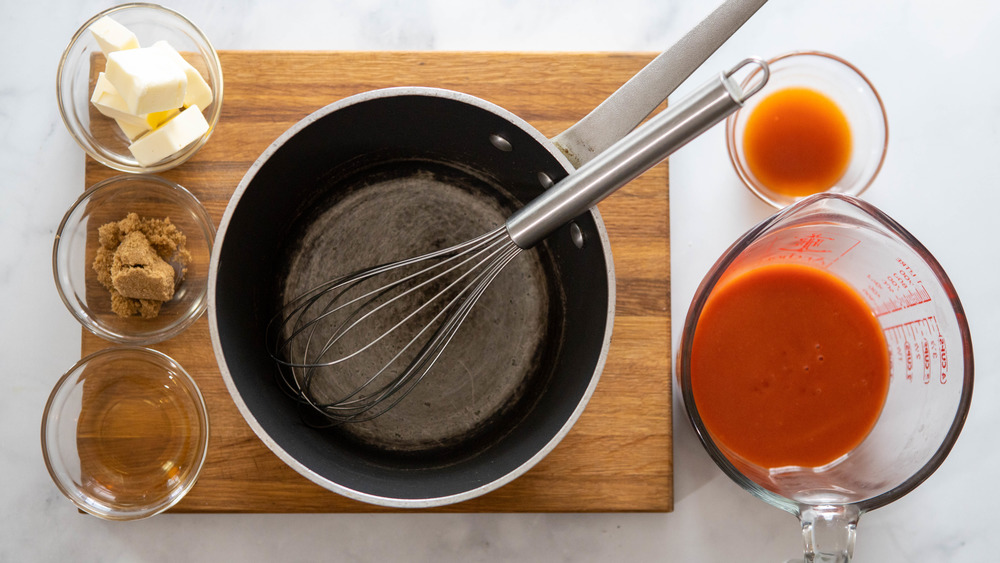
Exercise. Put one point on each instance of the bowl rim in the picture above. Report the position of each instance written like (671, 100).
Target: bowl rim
(214, 68)
(91, 323)
(74, 493)
(734, 152)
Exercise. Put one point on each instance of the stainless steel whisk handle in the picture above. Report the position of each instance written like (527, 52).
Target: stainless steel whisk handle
(637, 152)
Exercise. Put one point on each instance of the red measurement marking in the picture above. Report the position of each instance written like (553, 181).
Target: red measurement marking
(909, 361)
(813, 248)
(920, 345)
(943, 378)
(808, 243)
(899, 290)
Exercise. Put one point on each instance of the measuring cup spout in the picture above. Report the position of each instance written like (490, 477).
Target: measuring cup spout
(828, 532)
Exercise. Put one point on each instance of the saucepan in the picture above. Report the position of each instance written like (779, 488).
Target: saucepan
(391, 173)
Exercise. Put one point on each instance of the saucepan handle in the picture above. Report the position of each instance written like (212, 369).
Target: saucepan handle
(643, 93)
(639, 151)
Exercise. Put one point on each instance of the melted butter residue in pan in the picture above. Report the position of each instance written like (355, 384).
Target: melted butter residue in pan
(484, 374)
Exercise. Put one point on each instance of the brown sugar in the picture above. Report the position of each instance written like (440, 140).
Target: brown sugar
(138, 272)
(140, 261)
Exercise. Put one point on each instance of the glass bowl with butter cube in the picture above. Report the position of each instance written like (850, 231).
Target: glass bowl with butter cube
(131, 256)
(140, 88)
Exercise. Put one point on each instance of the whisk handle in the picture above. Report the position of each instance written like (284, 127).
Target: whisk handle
(637, 152)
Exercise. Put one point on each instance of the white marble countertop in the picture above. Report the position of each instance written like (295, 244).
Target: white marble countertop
(933, 65)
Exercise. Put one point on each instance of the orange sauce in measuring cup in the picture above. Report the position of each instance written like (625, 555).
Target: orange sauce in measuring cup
(789, 366)
(797, 142)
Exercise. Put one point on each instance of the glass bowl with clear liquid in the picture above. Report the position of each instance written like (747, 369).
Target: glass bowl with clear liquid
(125, 433)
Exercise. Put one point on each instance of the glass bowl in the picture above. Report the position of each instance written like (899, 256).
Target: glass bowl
(844, 85)
(99, 136)
(76, 244)
(125, 433)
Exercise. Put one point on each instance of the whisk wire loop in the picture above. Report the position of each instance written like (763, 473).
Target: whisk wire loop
(307, 336)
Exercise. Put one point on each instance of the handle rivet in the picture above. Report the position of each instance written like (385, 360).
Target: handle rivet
(576, 235)
(501, 143)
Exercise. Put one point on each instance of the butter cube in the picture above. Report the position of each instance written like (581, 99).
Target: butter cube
(107, 101)
(113, 36)
(198, 93)
(158, 118)
(147, 79)
(131, 130)
(169, 138)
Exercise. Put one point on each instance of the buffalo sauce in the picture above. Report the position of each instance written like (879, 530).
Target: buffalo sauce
(789, 366)
(797, 142)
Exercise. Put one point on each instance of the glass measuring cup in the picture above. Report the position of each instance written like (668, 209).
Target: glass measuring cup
(930, 365)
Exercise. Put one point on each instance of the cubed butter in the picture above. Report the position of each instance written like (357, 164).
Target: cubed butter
(148, 79)
(158, 118)
(198, 93)
(108, 102)
(131, 130)
(113, 36)
(164, 141)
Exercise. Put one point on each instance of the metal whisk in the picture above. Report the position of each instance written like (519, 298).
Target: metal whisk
(383, 328)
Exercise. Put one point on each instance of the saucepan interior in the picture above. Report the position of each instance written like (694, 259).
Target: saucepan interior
(383, 176)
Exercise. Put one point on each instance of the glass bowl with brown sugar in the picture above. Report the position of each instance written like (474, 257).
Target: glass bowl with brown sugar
(131, 258)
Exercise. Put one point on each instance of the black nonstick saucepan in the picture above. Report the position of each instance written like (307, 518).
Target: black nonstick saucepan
(393, 173)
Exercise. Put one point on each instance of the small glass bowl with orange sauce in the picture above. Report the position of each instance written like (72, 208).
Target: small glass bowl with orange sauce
(818, 125)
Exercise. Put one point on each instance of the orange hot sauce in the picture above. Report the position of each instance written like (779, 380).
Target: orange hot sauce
(797, 142)
(789, 366)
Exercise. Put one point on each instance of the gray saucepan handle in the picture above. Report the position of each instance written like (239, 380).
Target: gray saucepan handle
(639, 151)
(636, 99)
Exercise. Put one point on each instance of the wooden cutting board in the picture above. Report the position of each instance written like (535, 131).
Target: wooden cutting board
(618, 457)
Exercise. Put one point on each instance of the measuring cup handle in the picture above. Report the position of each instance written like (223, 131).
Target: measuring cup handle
(828, 532)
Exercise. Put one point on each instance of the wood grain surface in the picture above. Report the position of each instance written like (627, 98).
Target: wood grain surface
(618, 457)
